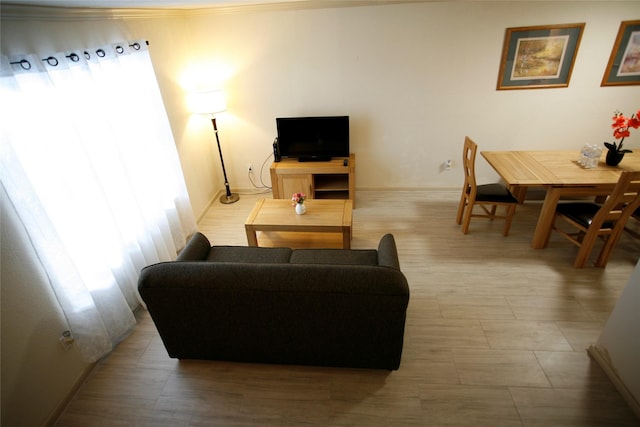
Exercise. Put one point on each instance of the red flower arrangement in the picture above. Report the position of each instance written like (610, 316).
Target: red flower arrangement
(621, 129)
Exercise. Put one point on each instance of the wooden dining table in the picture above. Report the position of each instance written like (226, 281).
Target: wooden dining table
(560, 174)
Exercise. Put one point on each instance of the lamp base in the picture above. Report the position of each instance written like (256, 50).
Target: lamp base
(229, 199)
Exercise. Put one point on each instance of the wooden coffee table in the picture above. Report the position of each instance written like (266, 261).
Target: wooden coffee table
(322, 216)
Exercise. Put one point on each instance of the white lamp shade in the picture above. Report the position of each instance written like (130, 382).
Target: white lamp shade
(209, 102)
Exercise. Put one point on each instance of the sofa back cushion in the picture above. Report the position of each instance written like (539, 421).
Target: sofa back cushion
(249, 254)
(335, 256)
(199, 249)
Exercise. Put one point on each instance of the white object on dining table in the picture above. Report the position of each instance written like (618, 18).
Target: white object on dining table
(589, 156)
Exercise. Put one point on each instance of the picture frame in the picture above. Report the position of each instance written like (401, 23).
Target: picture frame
(539, 57)
(623, 67)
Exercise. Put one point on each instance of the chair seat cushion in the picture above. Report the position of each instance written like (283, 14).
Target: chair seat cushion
(494, 193)
(581, 212)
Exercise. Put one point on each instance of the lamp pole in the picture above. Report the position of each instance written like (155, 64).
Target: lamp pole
(210, 103)
(228, 197)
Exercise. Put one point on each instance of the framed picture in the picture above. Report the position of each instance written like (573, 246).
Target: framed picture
(539, 57)
(624, 63)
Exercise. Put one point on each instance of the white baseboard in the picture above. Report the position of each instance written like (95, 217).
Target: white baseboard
(206, 209)
(601, 356)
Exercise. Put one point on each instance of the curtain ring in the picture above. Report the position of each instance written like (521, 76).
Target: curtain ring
(101, 53)
(87, 55)
(120, 49)
(74, 57)
(136, 46)
(24, 64)
(52, 60)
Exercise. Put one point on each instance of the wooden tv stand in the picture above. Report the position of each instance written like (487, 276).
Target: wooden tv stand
(318, 180)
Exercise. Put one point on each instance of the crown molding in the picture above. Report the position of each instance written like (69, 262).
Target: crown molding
(15, 12)
(300, 5)
(20, 12)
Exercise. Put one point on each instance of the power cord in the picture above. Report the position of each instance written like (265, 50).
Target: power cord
(262, 185)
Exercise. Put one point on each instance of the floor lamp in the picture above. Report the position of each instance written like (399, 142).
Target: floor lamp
(212, 102)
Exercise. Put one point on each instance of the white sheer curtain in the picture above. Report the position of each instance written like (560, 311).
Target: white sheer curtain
(89, 163)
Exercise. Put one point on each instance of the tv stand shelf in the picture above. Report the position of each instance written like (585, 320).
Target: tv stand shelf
(318, 180)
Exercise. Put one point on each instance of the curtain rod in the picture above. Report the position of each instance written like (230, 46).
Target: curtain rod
(74, 57)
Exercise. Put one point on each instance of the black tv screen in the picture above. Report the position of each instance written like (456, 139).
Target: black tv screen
(313, 138)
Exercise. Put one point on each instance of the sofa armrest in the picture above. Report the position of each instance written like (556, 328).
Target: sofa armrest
(388, 252)
(197, 249)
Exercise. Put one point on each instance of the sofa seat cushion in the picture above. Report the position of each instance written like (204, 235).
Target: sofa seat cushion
(335, 256)
(249, 254)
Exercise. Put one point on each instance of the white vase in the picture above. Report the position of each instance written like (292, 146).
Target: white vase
(300, 208)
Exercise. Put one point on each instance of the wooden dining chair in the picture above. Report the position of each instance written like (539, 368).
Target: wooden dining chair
(487, 196)
(606, 221)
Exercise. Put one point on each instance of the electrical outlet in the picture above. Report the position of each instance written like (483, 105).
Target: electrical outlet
(66, 340)
(249, 168)
(447, 165)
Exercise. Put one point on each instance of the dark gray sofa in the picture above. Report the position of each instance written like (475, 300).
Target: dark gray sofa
(324, 307)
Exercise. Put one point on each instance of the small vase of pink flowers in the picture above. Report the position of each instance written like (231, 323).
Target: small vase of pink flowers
(298, 201)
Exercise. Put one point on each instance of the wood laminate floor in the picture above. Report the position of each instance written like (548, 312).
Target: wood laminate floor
(496, 335)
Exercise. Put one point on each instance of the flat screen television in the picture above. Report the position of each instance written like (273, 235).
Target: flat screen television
(313, 138)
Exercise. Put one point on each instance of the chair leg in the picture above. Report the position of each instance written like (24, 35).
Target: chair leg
(461, 206)
(551, 228)
(511, 211)
(585, 250)
(606, 250)
(467, 217)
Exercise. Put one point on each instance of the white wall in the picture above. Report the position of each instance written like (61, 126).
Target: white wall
(415, 79)
(37, 373)
(618, 348)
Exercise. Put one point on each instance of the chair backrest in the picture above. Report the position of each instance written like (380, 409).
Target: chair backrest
(620, 204)
(469, 165)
